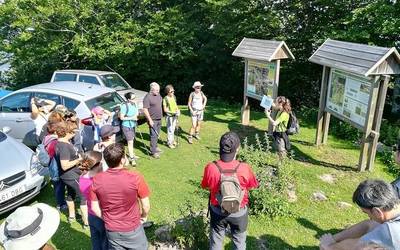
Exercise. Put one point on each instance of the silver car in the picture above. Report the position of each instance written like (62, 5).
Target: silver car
(21, 175)
(104, 78)
(15, 109)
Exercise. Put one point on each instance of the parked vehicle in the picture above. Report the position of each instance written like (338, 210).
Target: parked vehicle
(15, 108)
(21, 174)
(104, 78)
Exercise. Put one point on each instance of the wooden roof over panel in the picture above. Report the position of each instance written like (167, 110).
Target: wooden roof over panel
(361, 59)
(264, 50)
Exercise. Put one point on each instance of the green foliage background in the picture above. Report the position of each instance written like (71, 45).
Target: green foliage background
(180, 41)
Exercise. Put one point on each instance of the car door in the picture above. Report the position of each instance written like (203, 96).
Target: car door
(15, 112)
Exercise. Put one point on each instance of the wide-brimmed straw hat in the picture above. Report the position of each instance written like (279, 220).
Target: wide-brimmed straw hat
(197, 84)
(29, 228)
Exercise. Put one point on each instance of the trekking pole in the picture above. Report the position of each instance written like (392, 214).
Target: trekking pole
(141, 136)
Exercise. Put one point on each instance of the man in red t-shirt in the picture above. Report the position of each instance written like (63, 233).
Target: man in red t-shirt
(121, 198)
(229, 147)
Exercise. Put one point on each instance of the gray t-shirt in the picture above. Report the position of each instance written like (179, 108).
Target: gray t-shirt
(386, 234)
(154, 104)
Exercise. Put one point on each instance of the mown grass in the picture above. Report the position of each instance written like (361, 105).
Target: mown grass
(175, 178)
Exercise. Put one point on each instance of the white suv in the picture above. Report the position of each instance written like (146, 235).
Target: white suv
(104, 78)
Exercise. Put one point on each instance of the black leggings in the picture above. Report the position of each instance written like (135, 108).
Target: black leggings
(73, 190)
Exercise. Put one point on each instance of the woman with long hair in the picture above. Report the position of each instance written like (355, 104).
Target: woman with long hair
(281, 138)
(68, 161)
(91, 165)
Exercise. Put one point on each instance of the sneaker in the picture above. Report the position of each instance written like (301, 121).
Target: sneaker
(71, 220)
(133, 162)
(190, 140)
(158, 150)
(172, 146)
(156, 156)
(85, 227)
(62, 208)
(197, 136)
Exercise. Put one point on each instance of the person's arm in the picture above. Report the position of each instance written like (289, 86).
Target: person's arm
(346, 244)
(67, 164)
(50, 104)
(204, 100)
(34, 109)
(272, 121)
(190, 103)
(96, 208)
(147, 115)
(145, 205)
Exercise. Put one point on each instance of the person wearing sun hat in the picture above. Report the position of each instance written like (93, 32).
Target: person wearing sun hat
(220, 219)
(29, 228)
(197, 103)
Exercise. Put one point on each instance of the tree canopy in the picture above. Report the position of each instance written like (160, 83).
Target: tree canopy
(178, 42)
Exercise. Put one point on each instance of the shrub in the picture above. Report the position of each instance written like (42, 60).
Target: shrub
(191, 232)
(390, 163)
(270, 199)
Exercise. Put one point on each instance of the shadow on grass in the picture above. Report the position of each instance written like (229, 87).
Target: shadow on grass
(304, 157)
(310, 225)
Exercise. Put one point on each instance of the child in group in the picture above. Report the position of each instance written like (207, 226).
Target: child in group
(172, 112)
(281, 139)
(128, 115)
(101, 117)
(91, 165)
(197, 103)
(107, 134)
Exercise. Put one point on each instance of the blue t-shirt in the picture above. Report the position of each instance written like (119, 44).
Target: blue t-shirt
(129, 109)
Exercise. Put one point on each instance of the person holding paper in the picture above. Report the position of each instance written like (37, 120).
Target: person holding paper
(281, 138)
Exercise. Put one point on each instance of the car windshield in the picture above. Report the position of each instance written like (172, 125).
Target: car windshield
(107, 101)
(114, 81)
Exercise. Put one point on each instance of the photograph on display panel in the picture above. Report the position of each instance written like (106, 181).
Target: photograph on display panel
(348, 96)
(260, 78)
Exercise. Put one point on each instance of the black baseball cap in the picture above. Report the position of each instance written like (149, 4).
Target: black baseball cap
(108, 130)
(228, 145)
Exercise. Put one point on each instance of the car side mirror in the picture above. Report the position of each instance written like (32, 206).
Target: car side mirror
(6, 130)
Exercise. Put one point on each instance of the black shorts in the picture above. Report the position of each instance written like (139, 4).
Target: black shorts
(129, 133)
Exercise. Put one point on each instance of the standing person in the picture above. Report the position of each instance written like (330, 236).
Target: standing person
(233, 171)
(107, 134)
(117, 196)
(281, 138)
(172, 111)
(40, 114)
(380, 202)
(152, 108)
(91, 165)
(68, 161)
(197, 103)
(128, 115)
(50, 142)
(100, 118)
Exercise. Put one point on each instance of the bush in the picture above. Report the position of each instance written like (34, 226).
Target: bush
(191, 232)
(389, 132)
(390, 163)
(270, 199)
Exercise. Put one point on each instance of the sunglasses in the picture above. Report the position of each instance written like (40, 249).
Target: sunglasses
(197, 87)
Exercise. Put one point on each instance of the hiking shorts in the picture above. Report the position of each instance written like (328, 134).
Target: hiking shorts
(129, 133)
(197, 116)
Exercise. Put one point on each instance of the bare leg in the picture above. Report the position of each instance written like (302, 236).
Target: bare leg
(84, 212)
(71, 209)
(130, 149)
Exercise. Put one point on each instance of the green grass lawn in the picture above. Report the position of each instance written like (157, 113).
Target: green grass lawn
(175, 178)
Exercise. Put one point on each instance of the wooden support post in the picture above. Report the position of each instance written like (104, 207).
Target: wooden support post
(376, 125)
(322, 102)
(365, 139)
(325, 127)
(275, 92)
(246, 107)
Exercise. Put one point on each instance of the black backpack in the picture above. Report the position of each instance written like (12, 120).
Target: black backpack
(293, 126)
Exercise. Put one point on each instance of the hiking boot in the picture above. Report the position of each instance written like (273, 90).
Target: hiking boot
(190, 140)
(71, 220)
(156, 156)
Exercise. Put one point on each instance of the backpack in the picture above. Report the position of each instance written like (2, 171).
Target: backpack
(293, 126)
(230, 193)
(42, 154)
(53, 169)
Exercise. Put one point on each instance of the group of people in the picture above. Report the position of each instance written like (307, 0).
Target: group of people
(114, 201)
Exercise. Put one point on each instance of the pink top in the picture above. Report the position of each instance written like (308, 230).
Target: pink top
(84, 185)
